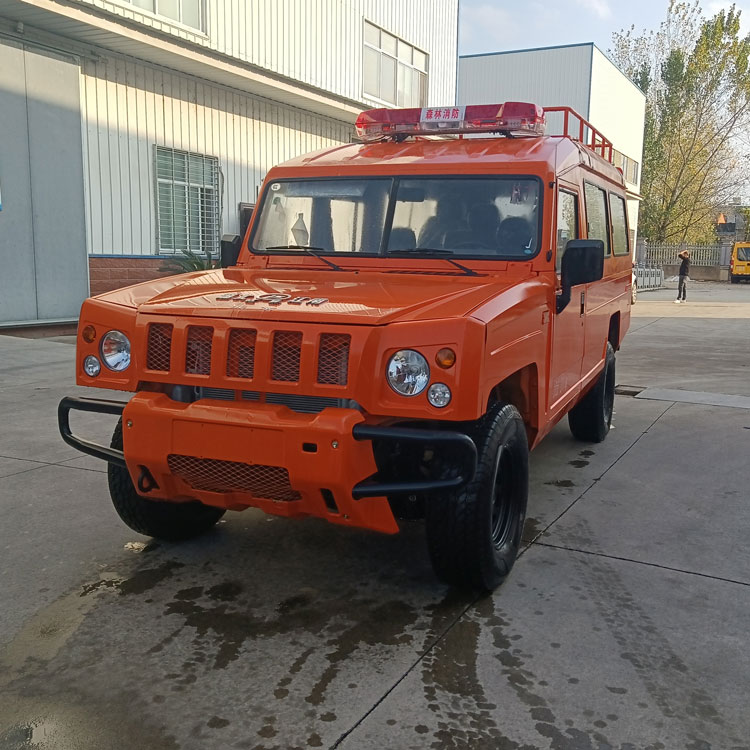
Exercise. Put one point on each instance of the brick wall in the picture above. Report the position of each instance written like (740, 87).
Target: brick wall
(107, 274)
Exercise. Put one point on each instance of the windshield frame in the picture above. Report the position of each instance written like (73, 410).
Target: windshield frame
(389, 214)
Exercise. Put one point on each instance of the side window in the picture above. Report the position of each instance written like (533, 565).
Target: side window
(619, 228)
(596, 214)
(567, 223)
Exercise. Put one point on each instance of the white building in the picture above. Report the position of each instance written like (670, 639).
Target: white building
(131, 129)
(579, 76)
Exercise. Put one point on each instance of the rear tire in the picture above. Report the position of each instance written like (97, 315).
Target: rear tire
(474, 534)
(732, 279)
(163, 520)
(591, 418)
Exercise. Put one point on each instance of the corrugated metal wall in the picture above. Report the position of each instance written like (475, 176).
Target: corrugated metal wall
(307, 40)
(548, 77)
(128, 107)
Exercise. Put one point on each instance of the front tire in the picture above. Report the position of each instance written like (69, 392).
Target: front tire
(163, 520)
(474, 534)
(591, 418)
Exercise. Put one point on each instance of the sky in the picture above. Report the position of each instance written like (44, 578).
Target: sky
(494, 25)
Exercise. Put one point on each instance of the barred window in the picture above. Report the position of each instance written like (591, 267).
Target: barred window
(189, 12)
(393, 71)
(187, 196)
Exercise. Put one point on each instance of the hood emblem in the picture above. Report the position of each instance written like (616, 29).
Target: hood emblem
(272, 299)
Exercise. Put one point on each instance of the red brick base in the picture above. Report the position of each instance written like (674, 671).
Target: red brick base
(107, 274)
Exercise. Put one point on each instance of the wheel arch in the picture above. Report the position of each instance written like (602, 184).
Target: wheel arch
(521, 389)
(613, 336)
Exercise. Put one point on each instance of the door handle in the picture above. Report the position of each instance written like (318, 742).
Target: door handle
(583, 303)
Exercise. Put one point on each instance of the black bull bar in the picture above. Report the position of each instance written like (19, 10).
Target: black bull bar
(461, 445)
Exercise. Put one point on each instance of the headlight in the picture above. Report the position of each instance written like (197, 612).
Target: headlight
(439, 395)
(408, 372)
(115, 349)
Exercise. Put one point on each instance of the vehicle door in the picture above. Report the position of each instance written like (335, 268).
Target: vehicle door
(596, 298)
(741, 258)
(567, 325)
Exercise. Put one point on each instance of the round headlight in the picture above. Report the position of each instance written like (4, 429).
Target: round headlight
(439, 395)
(91, 366)
(115, 350)
(408, 372)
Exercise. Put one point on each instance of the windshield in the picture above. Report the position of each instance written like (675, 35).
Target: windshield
(479, 217)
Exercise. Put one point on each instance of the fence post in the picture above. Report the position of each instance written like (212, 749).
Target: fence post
(640, 250)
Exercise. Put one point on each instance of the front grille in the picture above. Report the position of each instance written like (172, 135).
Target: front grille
(248, 354)
(241, 353)
(300, 404)
(198, 350)
(287, 350)
(159, 348)
(220, 394)
(333, 358)
(306, 404)
(214, 475)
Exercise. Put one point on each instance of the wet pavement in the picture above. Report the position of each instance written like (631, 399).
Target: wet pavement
(623, 624)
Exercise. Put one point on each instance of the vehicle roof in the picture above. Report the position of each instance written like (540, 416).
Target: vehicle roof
(540, 155)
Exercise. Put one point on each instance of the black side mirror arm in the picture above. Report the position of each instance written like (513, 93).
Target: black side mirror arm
(562, 299)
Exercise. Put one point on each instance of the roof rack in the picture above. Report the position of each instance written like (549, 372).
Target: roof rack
(587, 134)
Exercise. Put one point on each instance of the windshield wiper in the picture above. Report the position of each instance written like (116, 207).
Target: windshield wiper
(310, 251)
(439, 251)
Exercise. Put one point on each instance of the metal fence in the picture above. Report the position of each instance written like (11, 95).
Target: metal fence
(648, 277)
(666, 255)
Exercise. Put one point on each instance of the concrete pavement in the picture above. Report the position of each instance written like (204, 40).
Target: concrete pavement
(623, 624)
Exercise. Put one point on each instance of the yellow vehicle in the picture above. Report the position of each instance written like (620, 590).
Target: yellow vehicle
(739, 265)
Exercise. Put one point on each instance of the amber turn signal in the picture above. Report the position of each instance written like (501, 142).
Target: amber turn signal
(445, 358)
(88, 334)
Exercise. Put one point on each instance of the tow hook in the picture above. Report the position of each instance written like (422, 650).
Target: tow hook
(146, 482)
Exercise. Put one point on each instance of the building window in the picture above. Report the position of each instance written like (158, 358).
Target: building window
(394, 72)
(628, 166)
(187, 196)
(187, 12)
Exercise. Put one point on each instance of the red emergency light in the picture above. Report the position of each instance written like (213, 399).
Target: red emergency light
(510, 118)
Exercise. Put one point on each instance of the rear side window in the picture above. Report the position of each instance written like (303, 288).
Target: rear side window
(619, 229)
(567, 223)
(596, 215)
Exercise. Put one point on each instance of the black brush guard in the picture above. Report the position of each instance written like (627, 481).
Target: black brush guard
(461, 444)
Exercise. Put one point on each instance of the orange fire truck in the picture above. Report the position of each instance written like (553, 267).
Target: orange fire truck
(405, 318)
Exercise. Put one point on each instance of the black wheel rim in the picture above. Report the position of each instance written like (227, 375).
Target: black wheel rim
(503, 499)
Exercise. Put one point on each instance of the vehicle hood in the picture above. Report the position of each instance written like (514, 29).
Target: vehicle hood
(364, 298)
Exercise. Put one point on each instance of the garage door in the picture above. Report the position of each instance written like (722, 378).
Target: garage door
(43, 259)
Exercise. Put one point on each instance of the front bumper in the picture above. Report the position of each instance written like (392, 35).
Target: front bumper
(241, 455)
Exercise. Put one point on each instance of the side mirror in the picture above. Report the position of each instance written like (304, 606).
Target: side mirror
(582, 263)
(230, 249)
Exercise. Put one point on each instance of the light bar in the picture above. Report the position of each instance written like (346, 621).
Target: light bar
(516, 118)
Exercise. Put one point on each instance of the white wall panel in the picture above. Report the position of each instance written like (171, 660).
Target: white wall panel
(318, 42)
(548, 77)
(128, 108)
(618, 107)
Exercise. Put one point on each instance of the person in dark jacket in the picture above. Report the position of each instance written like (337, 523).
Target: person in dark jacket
(684, 256)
